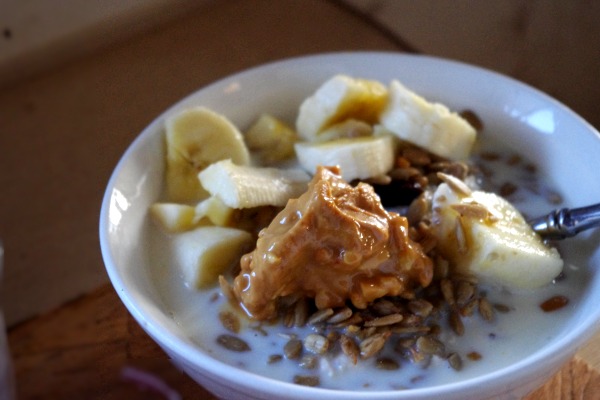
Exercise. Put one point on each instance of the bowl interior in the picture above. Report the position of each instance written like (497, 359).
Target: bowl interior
(564, 147)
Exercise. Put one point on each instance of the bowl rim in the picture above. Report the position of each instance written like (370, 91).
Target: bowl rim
(135, 303)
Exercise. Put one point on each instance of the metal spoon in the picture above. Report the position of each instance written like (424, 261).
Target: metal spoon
(566, 222)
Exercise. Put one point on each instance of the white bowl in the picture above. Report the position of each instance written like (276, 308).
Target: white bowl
(563, 145)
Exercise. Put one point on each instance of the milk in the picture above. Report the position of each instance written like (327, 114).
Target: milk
(500, 343)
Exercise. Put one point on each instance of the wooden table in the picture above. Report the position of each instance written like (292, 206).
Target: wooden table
(62, 132)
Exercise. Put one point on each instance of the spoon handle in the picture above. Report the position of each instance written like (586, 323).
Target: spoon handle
(566, 222)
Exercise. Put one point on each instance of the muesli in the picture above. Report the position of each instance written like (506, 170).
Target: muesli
(363, 249)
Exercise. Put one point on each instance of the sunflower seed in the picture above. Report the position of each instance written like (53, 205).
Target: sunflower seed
(320, 316)
(417, 209)
(420, 307)
(471, 210)
(274, 358)
(412, 320)
(464, 292)
(455, 361)
(416, 156)
(461, 236)
(441, 268)
(349, 348)
(301, 312)
(489, 156)
(355, 319)
(403, 174)
(385, 307)
(230, 321)
(293, 349)
(379, 180)
(258, 328)
(447, 288)
(457, 169)
(405, 330)
(404, 343)
(340, 315)
(455, 184)
(430, 345)
(456, 323)
(485, 309)
(316, 344)
(306, 380)
(385, 321)
(387, 364)
(233, 343)
(373, 344)
(309, 361)
(468, 309)
(289, 318)
(503, 308)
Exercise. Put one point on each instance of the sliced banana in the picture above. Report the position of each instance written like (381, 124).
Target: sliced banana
(482, 233)
(246, 187)
(213, 209)
(195, 138)
(174, 217)
(338, 99)
(270, 140)
(350, 128)
(206, 252)
(358, 158)
(431, 126)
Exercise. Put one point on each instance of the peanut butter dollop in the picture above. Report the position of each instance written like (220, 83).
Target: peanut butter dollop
(335, 243)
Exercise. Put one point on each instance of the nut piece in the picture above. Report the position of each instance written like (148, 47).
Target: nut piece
(320, 316)
(340, 315)
(387, 364)
(373, 344)
(457, 186)
(455, 361)
(350, 348)
(306, 380)
(233, 343)
(431, 346)
(316, 344)
(230, 321)
(385, 321)
(293, 349)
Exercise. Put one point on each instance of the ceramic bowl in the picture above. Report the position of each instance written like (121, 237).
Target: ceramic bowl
(565, 148)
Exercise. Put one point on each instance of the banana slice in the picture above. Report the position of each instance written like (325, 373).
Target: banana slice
(174, 217)
(482, 233)
(196, 138)
(215, 211)
(350, 128)
(338, 99)
(358, 158)
(246, 187)
(429, 125)
(270, 140)
(206, 252)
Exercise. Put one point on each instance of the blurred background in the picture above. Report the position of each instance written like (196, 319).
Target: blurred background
(79, 80)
